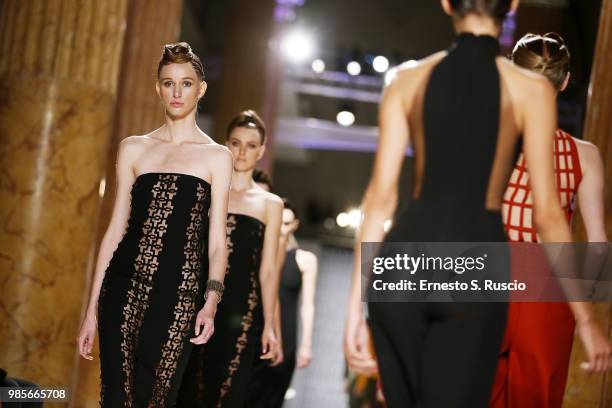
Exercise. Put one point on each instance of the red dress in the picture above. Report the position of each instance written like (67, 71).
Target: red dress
(534, 358)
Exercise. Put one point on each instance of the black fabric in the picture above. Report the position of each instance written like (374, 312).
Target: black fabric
(445, 354)
(152, 290)
(219, 371)
(268, 385)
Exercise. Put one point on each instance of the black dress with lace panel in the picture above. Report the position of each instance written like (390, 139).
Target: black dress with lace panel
(152, 291)
(219, 371)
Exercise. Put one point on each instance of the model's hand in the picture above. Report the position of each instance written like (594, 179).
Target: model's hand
(356, 343)
(205, 320)
(304, 357)
(87, 335)
(270, 345)
(280, 355)
(597, 347)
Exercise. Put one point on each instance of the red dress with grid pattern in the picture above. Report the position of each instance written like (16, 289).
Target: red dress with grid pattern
(534, 359)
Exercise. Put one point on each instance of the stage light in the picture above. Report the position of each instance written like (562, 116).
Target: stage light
(297, 46)
(349, 219)
(354, 218)
(342, 220)
(345, 118)
(353, 68)
(318, 66)
(380, 64)
(329, 223)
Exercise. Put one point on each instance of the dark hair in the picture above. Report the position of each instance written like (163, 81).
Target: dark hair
(180, 53)
(248, 119)
(260, 176)
(497, 9)
(546, 54)
(289, 206)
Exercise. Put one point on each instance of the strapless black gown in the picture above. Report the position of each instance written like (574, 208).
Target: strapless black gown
(152, 291)
(268, 385)
(219, 371)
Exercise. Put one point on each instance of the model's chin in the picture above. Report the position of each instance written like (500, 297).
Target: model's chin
(243, 166)
(179, 112)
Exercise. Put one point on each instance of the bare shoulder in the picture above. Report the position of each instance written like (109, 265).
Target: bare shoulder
(409, 72)
(525, 83)
(307, 256)
(132, 147)
(589, 155)
(135, 142)
(586, 148)
(273, 202)
(217, 150)
(219, 156)
(409, 76)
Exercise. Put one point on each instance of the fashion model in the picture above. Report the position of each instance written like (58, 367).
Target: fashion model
(166, 237)
(463, 111)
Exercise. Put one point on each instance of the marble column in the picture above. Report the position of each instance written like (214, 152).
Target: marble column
(251, 74)
(596, 390)
(150, 25)
(58, 77)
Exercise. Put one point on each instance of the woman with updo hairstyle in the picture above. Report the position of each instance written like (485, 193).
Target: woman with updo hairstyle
(160, 268)
(535, 354)
(463, 111)
(219, 371)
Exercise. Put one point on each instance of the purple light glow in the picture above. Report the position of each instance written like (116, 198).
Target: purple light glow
(285, 9)
(507, 37)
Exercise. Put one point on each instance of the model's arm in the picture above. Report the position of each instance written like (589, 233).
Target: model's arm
(308, 267)
(221, 176)
(591, 204)
(281, 254)
(114, 233)
(539, 128)
(591, 191)
(269, 274)
(377, 206)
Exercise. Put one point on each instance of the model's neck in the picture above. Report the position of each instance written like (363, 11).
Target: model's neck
(292, 243)
(242, 180)
(179, 130)
(477, 25)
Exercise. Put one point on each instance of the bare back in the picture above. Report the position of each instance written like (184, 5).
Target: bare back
(464, 113)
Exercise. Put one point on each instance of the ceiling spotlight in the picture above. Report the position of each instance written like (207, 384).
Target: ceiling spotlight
(380, 64)
(345, 118)
(318, 66)
(354, 218)
(353, 68)
(297, 46)
(342, 220)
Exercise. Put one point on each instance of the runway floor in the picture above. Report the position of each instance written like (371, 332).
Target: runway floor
(321, 385)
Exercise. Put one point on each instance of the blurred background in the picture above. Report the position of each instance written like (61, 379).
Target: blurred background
(77, 76)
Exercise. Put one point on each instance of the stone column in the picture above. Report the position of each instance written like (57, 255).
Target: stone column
(596, 390)
(58, 77)
(150, 25)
